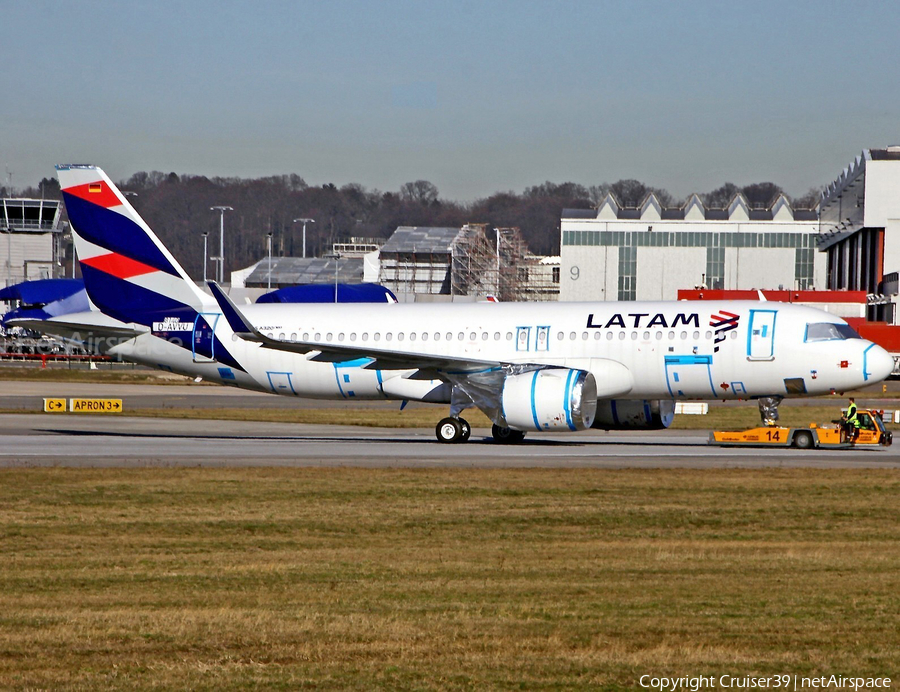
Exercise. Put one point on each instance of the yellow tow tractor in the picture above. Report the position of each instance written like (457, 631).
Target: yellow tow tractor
(836, 436)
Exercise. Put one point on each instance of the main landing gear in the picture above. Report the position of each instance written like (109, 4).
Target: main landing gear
(452, 430)
(506, 436)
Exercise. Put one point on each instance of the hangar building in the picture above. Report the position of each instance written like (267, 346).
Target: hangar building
(649, 253)
(860, 219)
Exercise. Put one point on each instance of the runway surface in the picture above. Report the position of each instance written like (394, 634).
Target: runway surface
(90, 441)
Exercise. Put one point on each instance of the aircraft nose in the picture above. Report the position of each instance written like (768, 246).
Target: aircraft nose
(879, 363)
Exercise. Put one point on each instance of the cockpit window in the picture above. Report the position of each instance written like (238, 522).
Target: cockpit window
(827, 331)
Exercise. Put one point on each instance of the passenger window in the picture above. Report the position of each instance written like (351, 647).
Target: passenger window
(328, 336)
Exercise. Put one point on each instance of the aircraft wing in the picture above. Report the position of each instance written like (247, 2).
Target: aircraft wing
(382, 359)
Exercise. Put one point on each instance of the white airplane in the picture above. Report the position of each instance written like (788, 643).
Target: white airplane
(527, 366)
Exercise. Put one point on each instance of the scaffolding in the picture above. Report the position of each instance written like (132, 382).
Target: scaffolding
(504, 268)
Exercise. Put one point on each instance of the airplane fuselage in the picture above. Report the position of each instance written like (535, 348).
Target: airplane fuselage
(666, 350)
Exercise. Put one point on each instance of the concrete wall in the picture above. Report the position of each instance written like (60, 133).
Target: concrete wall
(596, 269)
(663, 270)
(882, 193)
(17, 249)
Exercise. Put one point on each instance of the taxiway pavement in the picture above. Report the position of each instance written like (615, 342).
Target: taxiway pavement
(93, 441)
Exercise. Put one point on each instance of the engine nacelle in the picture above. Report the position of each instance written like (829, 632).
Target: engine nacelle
(550, 399)
(626, 414)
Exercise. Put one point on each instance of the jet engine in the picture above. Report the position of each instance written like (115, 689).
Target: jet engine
(627, 414)
(550, 399)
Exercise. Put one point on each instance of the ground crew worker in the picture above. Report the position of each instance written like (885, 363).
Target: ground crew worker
(852, 420)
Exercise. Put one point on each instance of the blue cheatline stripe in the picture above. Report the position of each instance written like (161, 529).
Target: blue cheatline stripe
(356, 363)
(537, 425)
(337, 378)
(866, 372)
(688, 360)
(569, 388)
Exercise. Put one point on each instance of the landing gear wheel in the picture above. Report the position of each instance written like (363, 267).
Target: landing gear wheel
(466, 430)
(803, 440)
(506, 436)
(449, 430)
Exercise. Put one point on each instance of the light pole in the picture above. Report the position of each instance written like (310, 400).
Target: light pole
(304, 222)
(205, 254)
(221, 257)
(269, 247)
(9, 281)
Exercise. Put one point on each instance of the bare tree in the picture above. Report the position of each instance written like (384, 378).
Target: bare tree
(419, 192)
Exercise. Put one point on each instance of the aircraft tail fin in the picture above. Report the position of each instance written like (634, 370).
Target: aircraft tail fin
(128, 273)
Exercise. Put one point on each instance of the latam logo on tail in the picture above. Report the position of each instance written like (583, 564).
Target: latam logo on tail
(723, 322)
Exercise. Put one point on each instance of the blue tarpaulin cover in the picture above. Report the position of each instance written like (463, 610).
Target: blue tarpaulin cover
(42, 291)
(45, 298)
(324, 293)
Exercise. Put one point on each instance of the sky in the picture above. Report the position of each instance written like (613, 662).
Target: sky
(476, 97)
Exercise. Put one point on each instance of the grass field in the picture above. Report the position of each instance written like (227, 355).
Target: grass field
(443, 579)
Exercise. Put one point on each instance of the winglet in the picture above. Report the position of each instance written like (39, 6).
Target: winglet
(238, 323)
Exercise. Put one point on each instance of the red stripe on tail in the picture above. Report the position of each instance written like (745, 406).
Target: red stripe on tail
(119, 266)
(97, 192)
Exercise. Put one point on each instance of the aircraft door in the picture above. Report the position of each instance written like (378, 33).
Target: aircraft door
(202, 339)
(689, 376)
(761, 335)
(280, 382)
